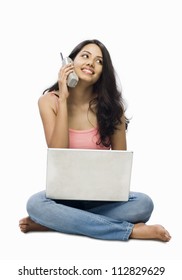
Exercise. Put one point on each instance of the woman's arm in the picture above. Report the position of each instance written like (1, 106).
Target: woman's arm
(118, 139)
(54, 117)
(54, 112)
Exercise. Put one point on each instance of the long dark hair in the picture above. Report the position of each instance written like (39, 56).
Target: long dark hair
(108, 103)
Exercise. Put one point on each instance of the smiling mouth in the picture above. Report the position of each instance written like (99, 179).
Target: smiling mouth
(88, 71)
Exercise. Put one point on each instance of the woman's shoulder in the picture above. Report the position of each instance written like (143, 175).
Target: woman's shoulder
(48, 99)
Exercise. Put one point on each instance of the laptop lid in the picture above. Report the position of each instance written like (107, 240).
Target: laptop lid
(86, 174)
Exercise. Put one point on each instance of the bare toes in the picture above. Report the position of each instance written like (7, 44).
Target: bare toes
(26, 225)
(143, 231)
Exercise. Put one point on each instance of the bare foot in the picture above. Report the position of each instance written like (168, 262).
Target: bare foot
(143, 231)
(26, 225)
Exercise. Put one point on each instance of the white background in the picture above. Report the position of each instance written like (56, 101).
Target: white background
(144, 40)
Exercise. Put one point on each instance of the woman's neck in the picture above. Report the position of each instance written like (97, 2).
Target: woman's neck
(80, 95)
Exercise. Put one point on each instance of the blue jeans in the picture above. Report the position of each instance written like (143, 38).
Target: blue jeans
(96, 219)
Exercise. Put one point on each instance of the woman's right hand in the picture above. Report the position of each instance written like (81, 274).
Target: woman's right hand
(62, 81)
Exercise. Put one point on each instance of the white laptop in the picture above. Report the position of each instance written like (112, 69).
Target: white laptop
(86, 174)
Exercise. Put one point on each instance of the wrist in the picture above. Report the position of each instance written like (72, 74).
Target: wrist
(62, 99)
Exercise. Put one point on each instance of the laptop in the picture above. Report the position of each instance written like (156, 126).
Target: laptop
(87, 174)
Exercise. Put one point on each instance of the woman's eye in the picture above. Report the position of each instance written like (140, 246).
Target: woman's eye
(99, 61)
(85, 55)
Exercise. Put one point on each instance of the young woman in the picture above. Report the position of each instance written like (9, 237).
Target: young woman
(91, 116)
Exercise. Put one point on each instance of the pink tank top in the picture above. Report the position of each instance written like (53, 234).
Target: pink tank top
(85, 139)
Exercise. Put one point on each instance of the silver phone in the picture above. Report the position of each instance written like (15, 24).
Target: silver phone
(72, 78)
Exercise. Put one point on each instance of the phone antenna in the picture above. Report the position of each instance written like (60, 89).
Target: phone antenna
(61, 55)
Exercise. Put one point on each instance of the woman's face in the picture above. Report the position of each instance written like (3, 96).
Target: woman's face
(88, 63)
